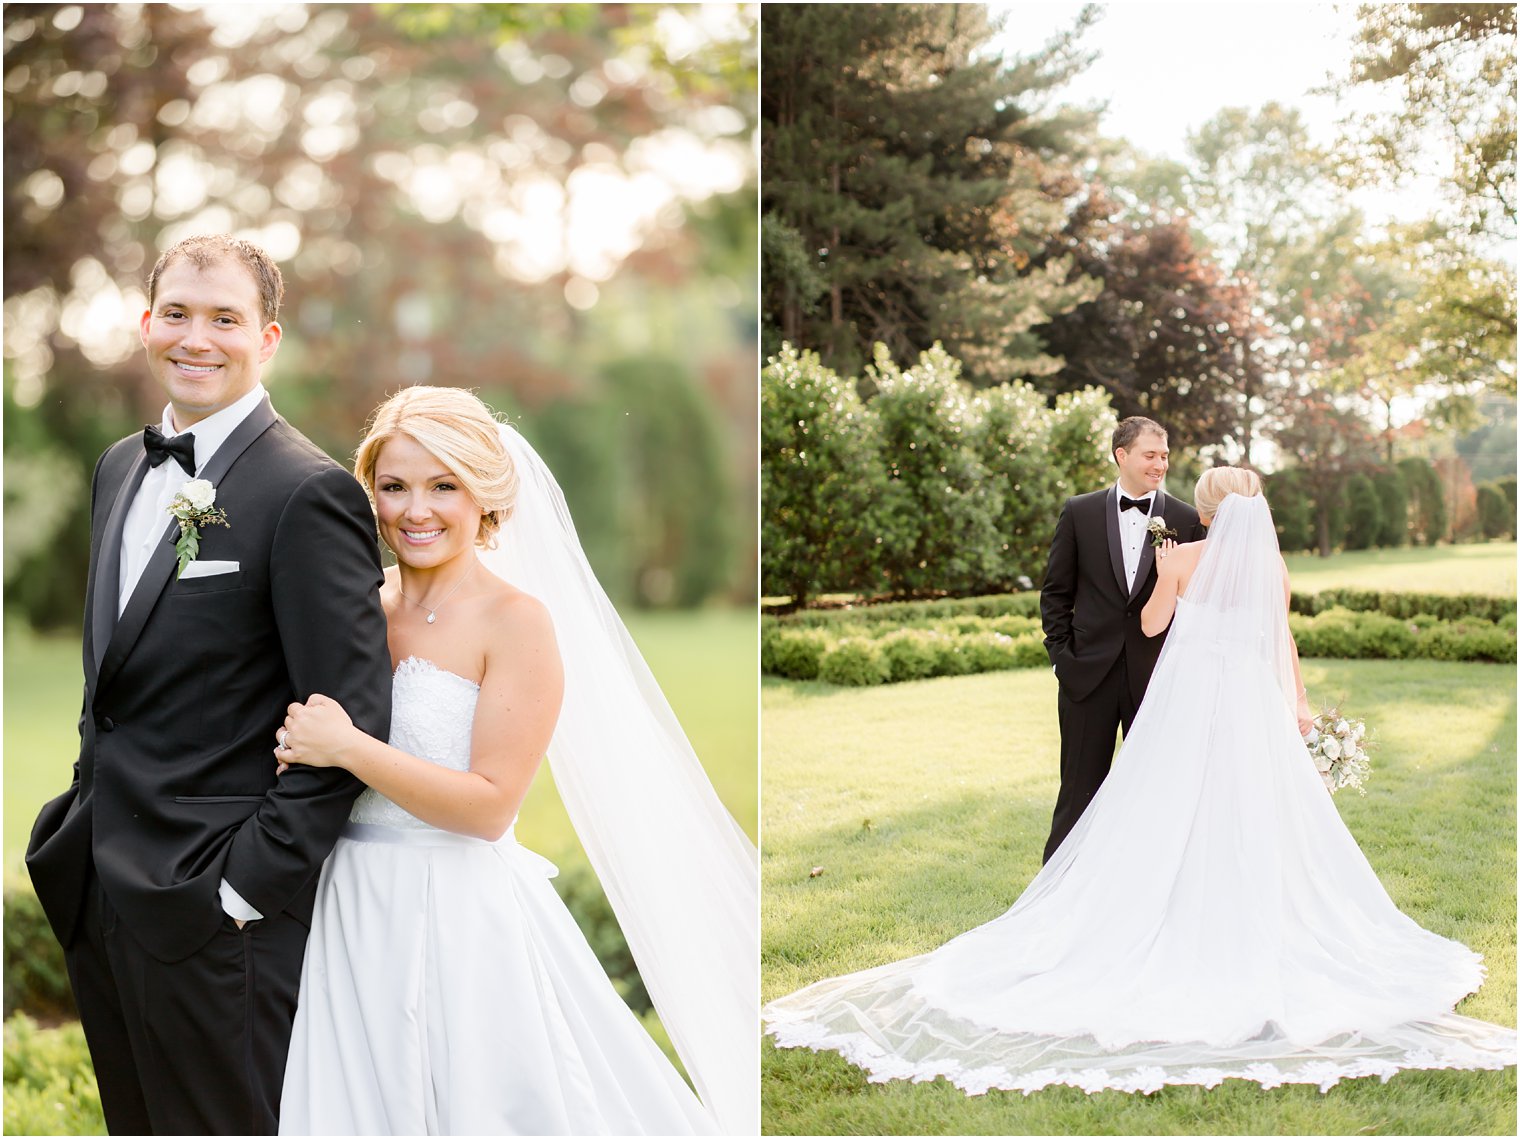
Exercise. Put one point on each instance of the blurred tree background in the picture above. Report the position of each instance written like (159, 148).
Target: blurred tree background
(553, 205)
(927, 194)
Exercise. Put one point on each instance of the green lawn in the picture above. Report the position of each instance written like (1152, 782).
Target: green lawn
(706, 661)
(1487, 567)
(927, 804)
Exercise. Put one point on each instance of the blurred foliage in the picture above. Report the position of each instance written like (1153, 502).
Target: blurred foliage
(535, 201)
(36, 979)
(49, 1081)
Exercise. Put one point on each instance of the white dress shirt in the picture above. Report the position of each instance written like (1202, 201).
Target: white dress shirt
(1132, 531)
(148, 517)
(148, 520)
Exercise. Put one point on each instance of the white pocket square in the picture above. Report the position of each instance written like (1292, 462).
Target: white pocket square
(208, 569)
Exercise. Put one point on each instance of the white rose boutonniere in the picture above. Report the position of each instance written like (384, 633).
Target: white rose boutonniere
(194, 506)
(1159, 530)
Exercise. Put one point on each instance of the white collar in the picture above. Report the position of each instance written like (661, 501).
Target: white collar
(1122, 493)
(211, 432)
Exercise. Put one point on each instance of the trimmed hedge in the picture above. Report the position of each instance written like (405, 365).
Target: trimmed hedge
(856, 647)
(1026, 604)
(1445, 606)
(36, 980)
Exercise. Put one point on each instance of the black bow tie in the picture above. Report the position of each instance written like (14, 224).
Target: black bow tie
(160, 447)
(1129, 504)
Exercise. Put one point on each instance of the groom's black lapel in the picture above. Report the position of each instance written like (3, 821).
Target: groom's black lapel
(162, 561)
(1115, 543)
(1148, 551)
(106, 590)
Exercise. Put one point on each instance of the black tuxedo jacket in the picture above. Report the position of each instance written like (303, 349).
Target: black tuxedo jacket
(1088, 613)
(175, 785)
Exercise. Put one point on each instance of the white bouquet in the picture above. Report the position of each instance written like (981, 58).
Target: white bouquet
(1338, 747)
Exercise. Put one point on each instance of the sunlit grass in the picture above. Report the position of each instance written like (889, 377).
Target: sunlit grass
(926, 806)
(1479, 567)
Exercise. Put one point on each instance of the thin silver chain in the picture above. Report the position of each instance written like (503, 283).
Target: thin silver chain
(432, 610)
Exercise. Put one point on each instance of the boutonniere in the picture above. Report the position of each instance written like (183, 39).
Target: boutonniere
(194, 506)
(1159, 530)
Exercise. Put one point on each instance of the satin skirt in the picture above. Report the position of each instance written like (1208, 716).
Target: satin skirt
(448, 991)
(1209, 917)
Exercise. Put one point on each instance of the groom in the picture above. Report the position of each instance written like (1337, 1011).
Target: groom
(177, 871)
(1101, 572)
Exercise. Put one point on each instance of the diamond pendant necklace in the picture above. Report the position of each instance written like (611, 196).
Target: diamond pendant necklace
(432, 610)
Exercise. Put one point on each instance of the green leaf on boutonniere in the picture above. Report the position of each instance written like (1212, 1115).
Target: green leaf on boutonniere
(188, 547)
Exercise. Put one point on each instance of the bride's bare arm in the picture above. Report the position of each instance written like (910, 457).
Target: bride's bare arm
(1157, 614)
(515, 713)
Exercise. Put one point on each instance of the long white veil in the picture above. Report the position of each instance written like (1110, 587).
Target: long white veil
(681, 875)
(1237, 590)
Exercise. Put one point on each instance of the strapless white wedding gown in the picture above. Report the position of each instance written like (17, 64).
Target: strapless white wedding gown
(1210, 916)
(447, 990)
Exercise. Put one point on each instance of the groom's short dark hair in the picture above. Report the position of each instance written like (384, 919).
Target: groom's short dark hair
(1131, 429)
(205, 250)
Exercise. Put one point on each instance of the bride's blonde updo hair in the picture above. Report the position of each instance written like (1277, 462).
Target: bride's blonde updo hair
(1217, 482)
(457, 430)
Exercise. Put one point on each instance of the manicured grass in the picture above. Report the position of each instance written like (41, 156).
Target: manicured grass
(926, 805)
(1480, 567)
(706, 661)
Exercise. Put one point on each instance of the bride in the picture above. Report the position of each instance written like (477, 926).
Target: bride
(1208, 917)
(446, 989)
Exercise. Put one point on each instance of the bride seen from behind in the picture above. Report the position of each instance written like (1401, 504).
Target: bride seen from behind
(1208, 917)
(446, 989)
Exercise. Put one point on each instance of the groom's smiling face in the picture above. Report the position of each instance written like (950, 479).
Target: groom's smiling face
(206, 340)
(1143, 465)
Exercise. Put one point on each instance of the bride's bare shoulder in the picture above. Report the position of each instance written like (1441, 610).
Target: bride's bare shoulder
(516, 618)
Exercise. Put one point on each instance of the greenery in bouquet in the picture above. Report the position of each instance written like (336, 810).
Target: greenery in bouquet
(1338, 747)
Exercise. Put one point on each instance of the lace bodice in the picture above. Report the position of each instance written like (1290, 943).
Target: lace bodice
(432, 712)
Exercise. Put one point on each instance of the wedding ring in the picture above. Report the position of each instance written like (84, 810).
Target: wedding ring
(283, 745)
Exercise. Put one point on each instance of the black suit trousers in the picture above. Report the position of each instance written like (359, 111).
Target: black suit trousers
(1087, 746)
(196, 1046)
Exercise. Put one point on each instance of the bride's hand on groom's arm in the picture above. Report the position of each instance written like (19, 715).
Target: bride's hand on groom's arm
(318, 733)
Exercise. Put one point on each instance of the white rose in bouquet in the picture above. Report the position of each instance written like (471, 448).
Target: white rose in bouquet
(1331, 747)
(199, 493)
(1321, 762)
(1342, 728)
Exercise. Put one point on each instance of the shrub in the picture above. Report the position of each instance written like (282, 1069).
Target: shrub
(1446, 606)
(1467, 640)
(49, 1081)
(818, 459)
(1496, 517)
(1394, 530)
(796, 653)
(909, 654)
(1292, 512)
(939, 510)
(854, 661)
(949, 638)
(1012, 438)
(36, 980)
(1427, 502)
(1364, 513)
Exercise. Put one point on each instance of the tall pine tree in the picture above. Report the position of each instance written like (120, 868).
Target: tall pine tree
(906, 184)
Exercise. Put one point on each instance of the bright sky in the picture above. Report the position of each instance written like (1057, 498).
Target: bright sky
(1165, 69)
